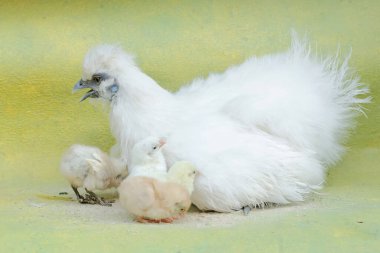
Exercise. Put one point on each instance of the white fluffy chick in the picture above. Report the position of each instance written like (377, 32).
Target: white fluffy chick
(92, 169)
(151, 200)
(262, 131)
(147, 159)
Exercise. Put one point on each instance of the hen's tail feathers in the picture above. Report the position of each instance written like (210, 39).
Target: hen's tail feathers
(349, 94)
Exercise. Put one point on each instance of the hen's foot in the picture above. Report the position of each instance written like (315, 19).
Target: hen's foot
(246, 210)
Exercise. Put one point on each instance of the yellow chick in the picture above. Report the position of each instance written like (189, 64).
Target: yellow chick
(183, 173)
(153, 201)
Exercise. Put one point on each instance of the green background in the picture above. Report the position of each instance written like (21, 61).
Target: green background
(42, 44)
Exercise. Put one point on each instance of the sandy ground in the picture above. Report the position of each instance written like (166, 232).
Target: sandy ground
(66, 205)
(36, 218)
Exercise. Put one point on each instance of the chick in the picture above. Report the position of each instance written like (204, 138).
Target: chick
(153, 201)
(183, 173)
(89, 167)
(147, 159)
(150, 192)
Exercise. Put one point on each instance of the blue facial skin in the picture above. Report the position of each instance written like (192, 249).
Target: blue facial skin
(114, 89)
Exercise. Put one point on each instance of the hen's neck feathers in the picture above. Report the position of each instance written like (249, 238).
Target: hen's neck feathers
(141, 108)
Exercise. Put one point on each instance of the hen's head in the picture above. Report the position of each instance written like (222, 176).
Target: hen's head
(103, 67)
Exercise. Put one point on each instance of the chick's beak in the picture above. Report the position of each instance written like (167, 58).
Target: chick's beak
(92, 93)
(162, 142)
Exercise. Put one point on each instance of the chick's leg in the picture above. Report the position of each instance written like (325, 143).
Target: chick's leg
(93, 197)
(167, 220)
(80, 198)
(146, 220)
(142, 220)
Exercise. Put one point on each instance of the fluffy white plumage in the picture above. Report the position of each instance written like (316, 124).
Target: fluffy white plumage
(92, 169)
(262, 131)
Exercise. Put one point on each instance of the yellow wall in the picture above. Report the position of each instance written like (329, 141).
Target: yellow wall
(42, 44)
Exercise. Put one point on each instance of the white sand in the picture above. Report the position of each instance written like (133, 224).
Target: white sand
(69, 209)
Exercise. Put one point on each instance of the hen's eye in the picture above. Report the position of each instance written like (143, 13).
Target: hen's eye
(97, 78)
(155, 147)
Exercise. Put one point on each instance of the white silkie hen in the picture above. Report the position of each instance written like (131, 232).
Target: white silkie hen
(92, 169)
(262, 131)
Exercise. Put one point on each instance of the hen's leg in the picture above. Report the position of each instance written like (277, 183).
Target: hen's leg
(246, 210)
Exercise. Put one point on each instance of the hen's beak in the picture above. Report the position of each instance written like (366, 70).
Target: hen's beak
(92, 93)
